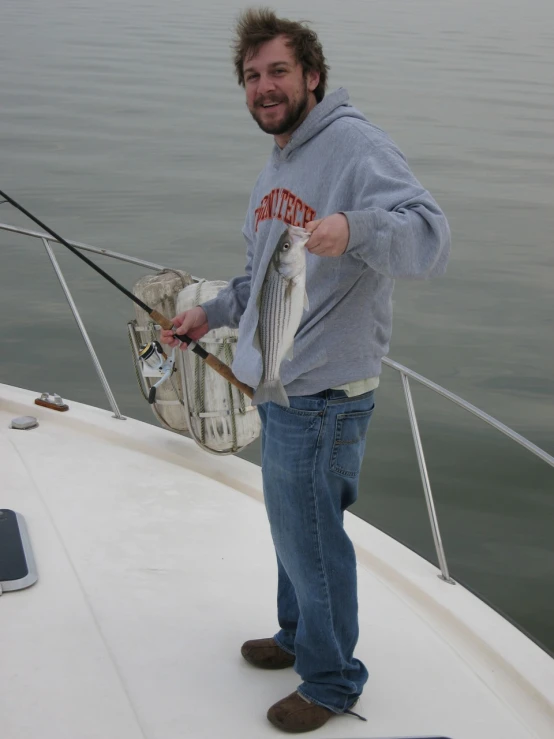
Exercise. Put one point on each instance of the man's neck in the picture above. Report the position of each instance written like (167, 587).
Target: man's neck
(283, 139)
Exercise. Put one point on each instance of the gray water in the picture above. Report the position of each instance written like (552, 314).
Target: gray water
(122, 126)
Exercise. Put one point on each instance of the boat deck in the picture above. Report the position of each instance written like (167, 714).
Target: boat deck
(155, 563)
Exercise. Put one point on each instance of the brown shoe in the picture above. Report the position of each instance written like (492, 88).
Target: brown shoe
(296, 714)
(267, 654)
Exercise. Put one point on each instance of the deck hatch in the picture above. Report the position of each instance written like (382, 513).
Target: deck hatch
(17, 564)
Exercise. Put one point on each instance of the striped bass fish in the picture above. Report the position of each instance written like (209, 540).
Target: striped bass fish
(281, 302)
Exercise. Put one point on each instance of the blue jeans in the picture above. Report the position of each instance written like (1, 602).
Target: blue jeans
(311, 458)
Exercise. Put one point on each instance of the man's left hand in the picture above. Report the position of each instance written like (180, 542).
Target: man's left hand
(329, 237)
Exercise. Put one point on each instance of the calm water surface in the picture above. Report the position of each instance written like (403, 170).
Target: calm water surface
(122, 126)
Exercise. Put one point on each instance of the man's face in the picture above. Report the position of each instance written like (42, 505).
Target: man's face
(277, 93)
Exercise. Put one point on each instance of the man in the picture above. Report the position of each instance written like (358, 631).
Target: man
(345, 181)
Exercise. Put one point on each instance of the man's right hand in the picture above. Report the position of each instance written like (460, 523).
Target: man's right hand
(193, 322)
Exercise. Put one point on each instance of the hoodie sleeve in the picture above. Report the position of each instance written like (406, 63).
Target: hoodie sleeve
(227, 308)
(398, 229)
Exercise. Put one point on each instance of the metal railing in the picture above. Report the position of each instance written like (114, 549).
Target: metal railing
(405, 375)
(46, 240)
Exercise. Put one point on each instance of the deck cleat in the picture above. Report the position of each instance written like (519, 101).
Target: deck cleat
(53, 401)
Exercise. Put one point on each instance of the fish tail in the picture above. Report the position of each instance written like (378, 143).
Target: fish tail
(271, 392)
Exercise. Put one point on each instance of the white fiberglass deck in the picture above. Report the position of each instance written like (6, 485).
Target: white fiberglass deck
(155, 563)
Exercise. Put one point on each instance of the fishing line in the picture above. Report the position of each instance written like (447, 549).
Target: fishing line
(159, 318)
(82, 256)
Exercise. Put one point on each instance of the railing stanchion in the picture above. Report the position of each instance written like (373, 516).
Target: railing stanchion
(425, 480)
(82, 329)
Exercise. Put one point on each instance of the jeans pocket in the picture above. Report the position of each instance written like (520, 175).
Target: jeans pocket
(291, 411)
(349, 443)
(302, 405)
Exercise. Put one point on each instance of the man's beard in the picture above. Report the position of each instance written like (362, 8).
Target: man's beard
(289, 122)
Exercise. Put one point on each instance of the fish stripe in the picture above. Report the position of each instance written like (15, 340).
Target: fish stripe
(267, 325)
(275, 318)
(280, 328)
(266, 319)
(276, 326)
(270, 325)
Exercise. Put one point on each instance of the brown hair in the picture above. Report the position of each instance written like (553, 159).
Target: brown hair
(255, 26)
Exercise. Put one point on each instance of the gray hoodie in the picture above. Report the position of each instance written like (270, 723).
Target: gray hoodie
(335, 162)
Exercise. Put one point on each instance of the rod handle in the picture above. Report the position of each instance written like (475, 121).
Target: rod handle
(226, 372)
(161, 320)
(216, 364)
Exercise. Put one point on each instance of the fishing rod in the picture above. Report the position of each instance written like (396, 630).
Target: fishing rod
(213, 362)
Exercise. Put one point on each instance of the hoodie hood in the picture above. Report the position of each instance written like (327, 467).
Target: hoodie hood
(333, 106)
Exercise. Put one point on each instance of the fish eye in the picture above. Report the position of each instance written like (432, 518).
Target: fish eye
(286, 246)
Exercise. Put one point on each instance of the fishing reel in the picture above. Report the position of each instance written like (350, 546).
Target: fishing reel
(154, 362)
